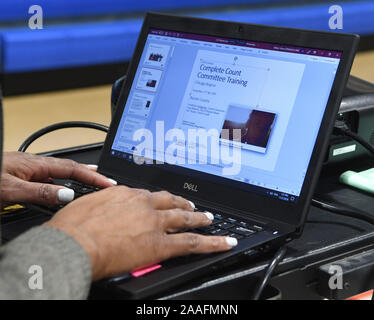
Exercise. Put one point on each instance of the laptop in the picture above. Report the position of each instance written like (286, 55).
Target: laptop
(233, 117)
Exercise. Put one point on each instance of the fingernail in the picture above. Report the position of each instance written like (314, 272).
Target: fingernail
(192, 205)
(232, 242)
(209, 215)
(94, 166)
(114, 182)
(65, 195)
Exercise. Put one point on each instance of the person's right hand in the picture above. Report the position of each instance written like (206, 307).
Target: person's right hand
(122, 229)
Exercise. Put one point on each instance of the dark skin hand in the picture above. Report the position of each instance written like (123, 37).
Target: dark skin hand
(25, 178)
(120, 228)
(134, 228)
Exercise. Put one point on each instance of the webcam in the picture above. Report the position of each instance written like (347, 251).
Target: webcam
(240, 28)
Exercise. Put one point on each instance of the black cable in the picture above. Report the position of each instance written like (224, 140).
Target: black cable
(58, 126)
(342, 211)
(269, 271)
(342, 129)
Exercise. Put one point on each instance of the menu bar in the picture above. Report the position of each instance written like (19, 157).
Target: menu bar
(248, 44)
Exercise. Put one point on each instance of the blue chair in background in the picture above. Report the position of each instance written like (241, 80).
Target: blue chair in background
(89, 37)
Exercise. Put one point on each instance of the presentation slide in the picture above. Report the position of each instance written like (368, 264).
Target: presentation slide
(130, 125)
(149, 79)
(156, 55)
(141, 104)
(235, 91)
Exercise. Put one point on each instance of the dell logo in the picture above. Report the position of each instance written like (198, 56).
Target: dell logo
(190, 187)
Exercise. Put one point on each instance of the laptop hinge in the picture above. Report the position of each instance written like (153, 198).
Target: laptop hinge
(205, 204)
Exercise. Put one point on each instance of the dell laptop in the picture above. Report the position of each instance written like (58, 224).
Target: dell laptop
(234, 117)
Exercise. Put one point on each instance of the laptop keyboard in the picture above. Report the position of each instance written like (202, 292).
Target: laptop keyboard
(224, 226)
(221, 225)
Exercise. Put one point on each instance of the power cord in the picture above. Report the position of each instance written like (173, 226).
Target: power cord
(269, 271)
(341, 128)
(58, 126)
(342, 211)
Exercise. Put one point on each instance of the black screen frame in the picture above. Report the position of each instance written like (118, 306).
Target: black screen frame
(245, 202)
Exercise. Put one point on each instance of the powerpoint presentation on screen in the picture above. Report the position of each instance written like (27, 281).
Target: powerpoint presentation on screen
(228, 91)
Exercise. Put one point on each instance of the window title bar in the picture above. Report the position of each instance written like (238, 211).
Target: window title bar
(248, 44)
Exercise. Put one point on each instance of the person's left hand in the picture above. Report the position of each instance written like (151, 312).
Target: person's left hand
(26, 178)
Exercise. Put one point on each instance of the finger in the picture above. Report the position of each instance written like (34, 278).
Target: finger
(178, 219)
(164, 200)
(40, 193)
(69, 169)
(92, 167)
(192, 243)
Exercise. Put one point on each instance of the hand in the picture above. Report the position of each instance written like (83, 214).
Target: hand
(122, 229)
(25, 178)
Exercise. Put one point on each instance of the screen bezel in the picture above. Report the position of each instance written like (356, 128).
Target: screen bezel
(224, 196)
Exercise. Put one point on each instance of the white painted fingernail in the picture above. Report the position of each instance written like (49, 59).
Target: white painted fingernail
(65, 195)
(232, 242)
(192, 205)
(209, 215)
(94, 166)
(114, 182)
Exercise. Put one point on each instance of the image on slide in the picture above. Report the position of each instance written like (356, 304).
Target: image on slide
(156, 55)
(149, 79)
(141, 104)
(256, 127)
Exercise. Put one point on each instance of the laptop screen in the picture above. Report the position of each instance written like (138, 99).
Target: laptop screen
(241, 113)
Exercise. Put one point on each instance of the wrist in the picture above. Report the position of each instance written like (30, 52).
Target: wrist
(86, 242)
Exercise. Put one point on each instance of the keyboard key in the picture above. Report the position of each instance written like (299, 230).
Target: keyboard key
(205, 230)
(231, 220)
(236, 236)
(85, 190)
(218, 217)
(218, 232)
(247, 225)
(225, 225)
(242, 231)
